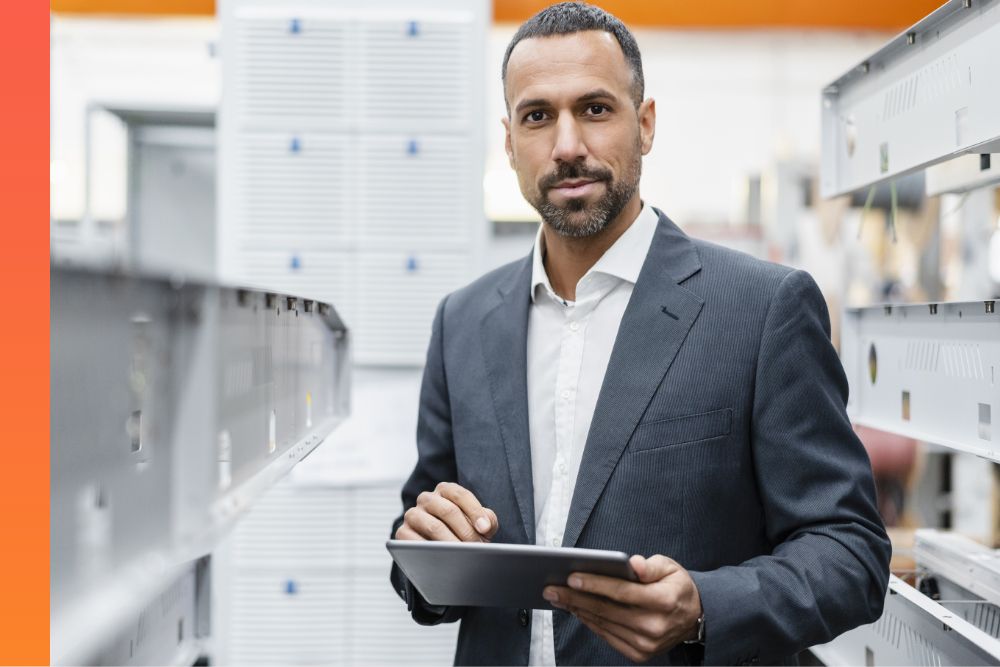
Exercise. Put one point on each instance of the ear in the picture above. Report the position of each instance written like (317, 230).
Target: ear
(506, 144)
(647, 124)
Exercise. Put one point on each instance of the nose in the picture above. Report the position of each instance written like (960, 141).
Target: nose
(569, 145)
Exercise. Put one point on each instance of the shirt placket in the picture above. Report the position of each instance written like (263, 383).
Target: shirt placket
(567, 381)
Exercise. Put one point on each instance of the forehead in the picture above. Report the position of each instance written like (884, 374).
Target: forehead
(561, 64)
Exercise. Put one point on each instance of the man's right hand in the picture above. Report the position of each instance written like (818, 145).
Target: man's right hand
(449, 513)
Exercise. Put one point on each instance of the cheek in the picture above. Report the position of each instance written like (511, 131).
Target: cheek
(528, 164)
(613, 145)
(527, 184)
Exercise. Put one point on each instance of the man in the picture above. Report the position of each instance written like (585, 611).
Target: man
(626, 387)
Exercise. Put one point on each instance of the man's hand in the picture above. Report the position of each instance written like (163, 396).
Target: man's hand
(450, 513)
(640, 620)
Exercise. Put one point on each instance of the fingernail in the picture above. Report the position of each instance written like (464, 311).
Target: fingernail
(483, 524)
(550, 595)
(575, 582)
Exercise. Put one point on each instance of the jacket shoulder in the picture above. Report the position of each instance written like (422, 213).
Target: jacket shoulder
(479, 295)
(736, 264)
(756, 288)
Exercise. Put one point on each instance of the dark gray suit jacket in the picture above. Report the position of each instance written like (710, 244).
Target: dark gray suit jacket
(719, 439)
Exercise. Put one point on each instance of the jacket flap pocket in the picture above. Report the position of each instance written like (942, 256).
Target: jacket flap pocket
(678, 430)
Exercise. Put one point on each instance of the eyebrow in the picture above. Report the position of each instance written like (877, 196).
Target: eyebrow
(596, 94)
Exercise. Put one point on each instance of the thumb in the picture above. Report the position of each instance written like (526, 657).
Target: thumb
(494, 523)
(653, 568)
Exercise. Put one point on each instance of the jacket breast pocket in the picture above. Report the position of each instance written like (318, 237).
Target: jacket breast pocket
(679, 430)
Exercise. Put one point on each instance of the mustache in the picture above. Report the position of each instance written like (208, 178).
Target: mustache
(573, 170)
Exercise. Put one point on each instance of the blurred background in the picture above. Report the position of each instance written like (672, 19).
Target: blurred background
(354, 153)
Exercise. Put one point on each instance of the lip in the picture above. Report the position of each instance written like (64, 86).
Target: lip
(575, 187)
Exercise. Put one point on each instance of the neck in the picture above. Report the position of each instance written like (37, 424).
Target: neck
(568, 259)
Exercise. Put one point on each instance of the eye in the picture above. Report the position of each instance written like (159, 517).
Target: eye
(535, 116)
(597, 110)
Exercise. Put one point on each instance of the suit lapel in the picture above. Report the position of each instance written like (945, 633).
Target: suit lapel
(657, 320)
(505, 342)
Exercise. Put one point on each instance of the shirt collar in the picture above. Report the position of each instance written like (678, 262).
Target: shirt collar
(623, 260)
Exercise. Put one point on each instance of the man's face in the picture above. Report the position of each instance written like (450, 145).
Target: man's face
(574, 135)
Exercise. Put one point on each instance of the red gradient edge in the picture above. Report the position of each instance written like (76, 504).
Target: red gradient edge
(24, 354)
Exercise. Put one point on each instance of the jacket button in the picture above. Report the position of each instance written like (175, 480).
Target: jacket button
(522, 617)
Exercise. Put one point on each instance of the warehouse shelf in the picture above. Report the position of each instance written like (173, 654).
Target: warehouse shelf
(964, 562)
(927, 371)
(930, 94)
(174, 407)
(913, 630)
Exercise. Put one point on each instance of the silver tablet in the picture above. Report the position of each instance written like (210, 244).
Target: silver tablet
(473, 574)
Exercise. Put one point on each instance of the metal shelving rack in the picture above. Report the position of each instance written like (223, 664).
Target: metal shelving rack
(932, 93)
(926, 371)
(174, 406)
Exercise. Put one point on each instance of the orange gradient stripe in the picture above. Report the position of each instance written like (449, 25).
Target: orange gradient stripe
(24, 335)
(851, 14)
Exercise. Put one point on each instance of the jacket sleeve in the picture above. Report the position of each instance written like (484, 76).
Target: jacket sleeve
(829, 566)
(435, 463)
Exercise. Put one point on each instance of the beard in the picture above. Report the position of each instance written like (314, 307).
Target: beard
(597, 216)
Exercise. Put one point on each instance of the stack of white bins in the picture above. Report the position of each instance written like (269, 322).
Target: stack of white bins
(351, 157)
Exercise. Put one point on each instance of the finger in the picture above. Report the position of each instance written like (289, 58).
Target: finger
(482, 520)
(404, 532)
(595, 605)
(429, 527)
(615, 643)
(639, 622)
(452, 515)
(619, 590)
(636, 640)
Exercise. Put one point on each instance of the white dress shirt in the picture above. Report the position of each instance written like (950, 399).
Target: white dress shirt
(569, 345)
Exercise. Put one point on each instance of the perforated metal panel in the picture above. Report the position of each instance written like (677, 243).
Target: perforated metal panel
(931, 93)
(913, 630)
(310, 583)
(928, 371)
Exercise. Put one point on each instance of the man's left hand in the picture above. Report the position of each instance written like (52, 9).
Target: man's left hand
(639, 619)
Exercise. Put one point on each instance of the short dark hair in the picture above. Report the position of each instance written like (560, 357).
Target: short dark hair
(567, 18)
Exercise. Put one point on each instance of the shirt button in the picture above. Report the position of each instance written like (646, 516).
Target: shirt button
(565, 394)
(522, 617)
(555, 541)
(574, 326)
(562, 468)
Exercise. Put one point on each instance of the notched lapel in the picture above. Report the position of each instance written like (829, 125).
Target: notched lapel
(655, 324)
(504, 334)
